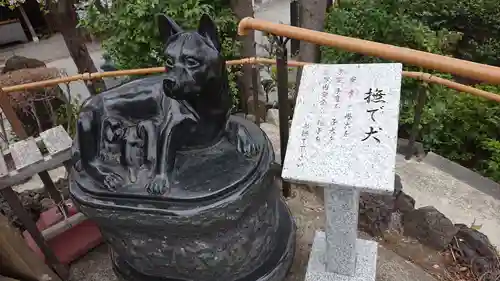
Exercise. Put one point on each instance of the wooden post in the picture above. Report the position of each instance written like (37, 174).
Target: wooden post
(16, 258)
(28, 24)
(10, 114)
(18, 128)
(11, 197)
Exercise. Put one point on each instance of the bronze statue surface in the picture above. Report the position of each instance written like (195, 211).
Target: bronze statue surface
(181, 190)
(134, 135)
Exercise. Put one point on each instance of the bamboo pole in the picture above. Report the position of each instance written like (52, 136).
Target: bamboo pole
(254, 60)
(453, 85)
(463, 68)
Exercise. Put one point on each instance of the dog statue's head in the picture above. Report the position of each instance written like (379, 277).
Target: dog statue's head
(194, 64)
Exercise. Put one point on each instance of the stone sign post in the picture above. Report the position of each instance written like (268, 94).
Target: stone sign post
(343, 138)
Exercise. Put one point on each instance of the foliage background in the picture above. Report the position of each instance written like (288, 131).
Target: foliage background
(129, 33)
(455, 125)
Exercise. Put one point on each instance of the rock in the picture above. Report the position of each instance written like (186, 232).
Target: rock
(404, 203)
(273, 116)
(398, 186)
(273, 133)
(377, 212)
(19, 62)
(475, 240)
(430, 227)
(418, 150)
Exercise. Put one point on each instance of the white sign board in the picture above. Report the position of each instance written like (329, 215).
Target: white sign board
(344, 128)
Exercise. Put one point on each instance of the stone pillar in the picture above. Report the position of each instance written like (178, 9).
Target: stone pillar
(341, 229)
(343, 138)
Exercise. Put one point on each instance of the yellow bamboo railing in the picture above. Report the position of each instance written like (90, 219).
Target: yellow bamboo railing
(463, 68)
(89, 76)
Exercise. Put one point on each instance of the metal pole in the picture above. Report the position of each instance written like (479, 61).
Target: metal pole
(28, 24)
(419, 108)
(294, 21)
(255, 95)
(284, 111)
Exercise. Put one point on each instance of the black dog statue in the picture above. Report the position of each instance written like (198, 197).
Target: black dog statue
(132, 133)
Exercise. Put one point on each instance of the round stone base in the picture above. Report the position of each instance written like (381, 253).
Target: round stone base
(273, 269)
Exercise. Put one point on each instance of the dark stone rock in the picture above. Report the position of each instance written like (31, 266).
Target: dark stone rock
(380, 213)
(418, 148)
(430, 227)
(375, 210)
(404, 203)
(398, 185)
(475, 240)
(19, 62)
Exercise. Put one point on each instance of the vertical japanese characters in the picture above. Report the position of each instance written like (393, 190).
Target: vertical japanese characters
(375, 100)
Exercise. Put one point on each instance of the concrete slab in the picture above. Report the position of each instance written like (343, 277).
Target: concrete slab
(46, 50)
(392, 267)
(54, 53)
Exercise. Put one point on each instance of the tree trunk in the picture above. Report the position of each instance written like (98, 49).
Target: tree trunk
(244, 8)
(312, 16)
(66, 20)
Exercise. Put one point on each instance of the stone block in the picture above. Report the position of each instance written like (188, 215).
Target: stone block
(25, 153)
(344, 129)
(56, 140)
(366, 261)
(273, 116)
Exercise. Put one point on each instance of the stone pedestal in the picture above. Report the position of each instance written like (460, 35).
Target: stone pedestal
(366, 261)
(223, 219)
(343, 138)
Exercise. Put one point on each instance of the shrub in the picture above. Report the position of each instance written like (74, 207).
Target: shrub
(456, 125)
(478, 21)
(129, 32)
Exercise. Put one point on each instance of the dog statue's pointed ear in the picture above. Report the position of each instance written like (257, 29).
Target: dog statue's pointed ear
(208, 29)
(167, 27)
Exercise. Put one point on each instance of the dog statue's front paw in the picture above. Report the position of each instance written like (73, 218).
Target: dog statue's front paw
(247, 147)
(112, 181)
(158, 186)
(251, 149)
